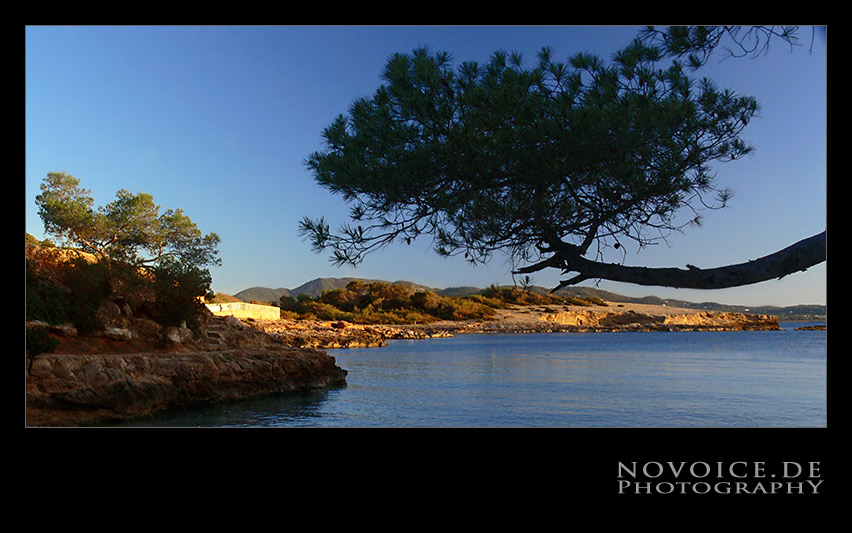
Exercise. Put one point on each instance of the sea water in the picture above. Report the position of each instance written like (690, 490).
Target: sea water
(626, 379)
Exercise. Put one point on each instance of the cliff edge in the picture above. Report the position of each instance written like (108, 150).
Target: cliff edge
(81, 385)
(98, 349)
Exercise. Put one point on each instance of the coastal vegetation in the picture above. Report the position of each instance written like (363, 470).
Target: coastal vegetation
(68, 286)
(396, 303)
(125, 250)
(130, 229)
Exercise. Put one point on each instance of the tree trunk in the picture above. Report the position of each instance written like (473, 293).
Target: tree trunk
(798, 257)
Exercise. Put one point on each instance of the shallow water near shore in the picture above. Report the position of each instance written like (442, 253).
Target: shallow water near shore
(629, 379)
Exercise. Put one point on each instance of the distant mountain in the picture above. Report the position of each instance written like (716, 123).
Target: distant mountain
(312, 288)
(262, 294)
(458, 291)
(317, 286)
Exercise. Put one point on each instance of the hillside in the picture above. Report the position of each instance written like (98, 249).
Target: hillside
(312, 288)
(106, 341)
(317, 286)
(262, 294)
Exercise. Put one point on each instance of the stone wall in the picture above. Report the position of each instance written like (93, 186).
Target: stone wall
(245, 310)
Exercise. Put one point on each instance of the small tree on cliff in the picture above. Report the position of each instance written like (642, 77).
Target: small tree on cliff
(130, 229)
(547, 164)
(131, 232)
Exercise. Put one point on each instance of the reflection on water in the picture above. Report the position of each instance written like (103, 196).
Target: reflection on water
(290, 410)
(695, 379)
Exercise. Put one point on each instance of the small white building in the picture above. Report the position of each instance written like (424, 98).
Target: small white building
(245, 310)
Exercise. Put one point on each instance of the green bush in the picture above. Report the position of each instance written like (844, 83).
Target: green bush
(178, 288)
(387, 303)
(579, 300)
(493, 303)
(288, 303)
(343, 299)
(44, 301)
(426, 300)
(79, 287)
(87, 283)
(39, 341)
(516, 296)
(324, 311)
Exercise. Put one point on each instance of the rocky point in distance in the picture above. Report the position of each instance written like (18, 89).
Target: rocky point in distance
(317, 286)
(350, 312)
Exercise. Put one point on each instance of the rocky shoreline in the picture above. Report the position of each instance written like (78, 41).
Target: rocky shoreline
(515, 319)
(96, 380)
(140, 369)
(96, 389)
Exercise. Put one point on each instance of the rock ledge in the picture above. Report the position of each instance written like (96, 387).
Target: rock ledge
(230, 362)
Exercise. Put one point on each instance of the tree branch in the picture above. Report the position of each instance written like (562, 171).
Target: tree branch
(797, 257)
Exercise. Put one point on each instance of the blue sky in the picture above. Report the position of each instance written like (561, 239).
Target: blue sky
(218, 121)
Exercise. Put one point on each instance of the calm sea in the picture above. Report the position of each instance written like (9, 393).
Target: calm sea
(646, 379)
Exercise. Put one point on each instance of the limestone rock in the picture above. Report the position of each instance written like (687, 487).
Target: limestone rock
(631, 320)
(69, 389)
(232, 361)
(119, 334)
(64, 330)
(108, 311)
(179, 335)
(234, 322)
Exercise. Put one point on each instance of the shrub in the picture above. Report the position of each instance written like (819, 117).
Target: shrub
(179, 287)
(388, 291)
(341, 298)
(288, 303)
(494, 303)
(72, 291)
(514, 295)
(89, 284)
(44, 300)
(466, 309)
(39, 341)
(387, 303)
(588, 302)
(324, 311)
(220, 297)
(427, 300)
